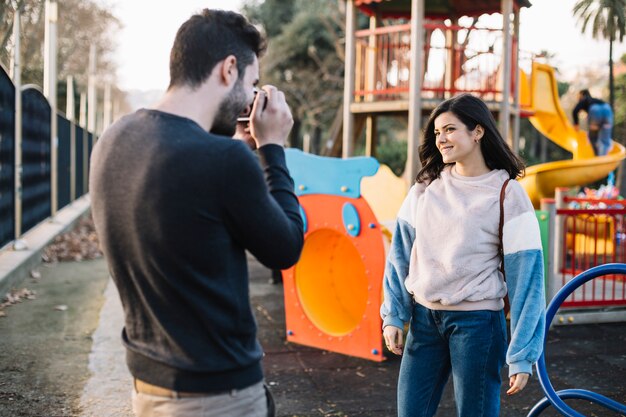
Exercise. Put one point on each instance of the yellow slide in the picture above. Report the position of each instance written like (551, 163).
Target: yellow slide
(542, 100)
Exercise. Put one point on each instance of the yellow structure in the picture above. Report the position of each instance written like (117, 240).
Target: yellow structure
(540, 98)
(385, 193)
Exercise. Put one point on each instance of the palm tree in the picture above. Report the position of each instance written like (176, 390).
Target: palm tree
(608, 20)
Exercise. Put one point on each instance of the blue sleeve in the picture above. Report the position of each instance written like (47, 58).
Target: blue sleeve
(523, 264)
(396, 307)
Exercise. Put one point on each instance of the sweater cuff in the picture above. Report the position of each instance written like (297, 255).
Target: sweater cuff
(393, 321)
(521, 367)
(272, 154)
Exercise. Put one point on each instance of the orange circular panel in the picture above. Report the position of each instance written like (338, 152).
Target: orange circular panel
(333, 293)
(331, 282)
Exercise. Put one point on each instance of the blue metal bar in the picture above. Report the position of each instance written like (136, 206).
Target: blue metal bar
(556, 399)
(578, 394)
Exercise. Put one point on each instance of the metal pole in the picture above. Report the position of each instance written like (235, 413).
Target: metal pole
(505, 105)
(82, 111)
(91, 91)
(516, 90)
(50, 91)
(16, 73)
(108, 107)
(415, 89)
(348, 87)
(559, 240)
(69, 112)
(116, 110)
(548, 204)
(370, 121)
(449, 72)
(83, 124)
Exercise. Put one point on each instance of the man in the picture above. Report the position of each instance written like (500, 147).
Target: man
(599, 121)
(176, 207)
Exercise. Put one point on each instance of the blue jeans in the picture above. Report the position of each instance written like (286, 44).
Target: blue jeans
(469, 344)
(600, 120)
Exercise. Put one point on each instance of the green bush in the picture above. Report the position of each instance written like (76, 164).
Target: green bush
(392, 154)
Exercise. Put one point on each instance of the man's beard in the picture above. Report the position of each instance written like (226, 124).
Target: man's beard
(230, 108)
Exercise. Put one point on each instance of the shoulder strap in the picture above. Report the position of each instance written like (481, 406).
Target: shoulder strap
(507, 305)
(501, 226)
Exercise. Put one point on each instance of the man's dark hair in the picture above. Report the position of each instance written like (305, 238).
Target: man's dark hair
(208, 38)
(585, 93)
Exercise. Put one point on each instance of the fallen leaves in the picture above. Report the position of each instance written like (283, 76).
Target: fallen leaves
(80, 243)
(16, 296)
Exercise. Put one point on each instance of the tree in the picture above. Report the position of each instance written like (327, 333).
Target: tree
(608, 20)
(619, 127)
(304, 59)
(80, 23)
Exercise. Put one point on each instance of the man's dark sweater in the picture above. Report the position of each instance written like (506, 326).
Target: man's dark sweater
(175, 209)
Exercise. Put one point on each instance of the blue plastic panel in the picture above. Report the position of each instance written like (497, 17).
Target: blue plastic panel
(314, 174)
(351, 220)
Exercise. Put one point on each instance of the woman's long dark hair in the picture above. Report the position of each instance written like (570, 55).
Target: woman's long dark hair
(471, 111)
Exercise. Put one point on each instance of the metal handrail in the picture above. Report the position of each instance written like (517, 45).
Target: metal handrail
(555, 398)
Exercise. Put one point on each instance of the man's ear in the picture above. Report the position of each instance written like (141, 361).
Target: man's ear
(228, 70)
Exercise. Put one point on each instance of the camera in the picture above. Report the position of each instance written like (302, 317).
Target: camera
(245, 116)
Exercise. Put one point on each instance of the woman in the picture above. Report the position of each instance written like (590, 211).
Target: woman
(442, 272)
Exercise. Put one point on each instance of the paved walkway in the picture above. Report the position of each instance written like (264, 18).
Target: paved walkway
(107, 392)
(70, 362)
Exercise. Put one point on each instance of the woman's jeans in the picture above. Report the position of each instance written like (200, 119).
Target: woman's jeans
(469, 344)
(600, 120)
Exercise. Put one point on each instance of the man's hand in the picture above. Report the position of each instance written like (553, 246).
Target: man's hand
(270, 120)
(517, 383)
(394, 339)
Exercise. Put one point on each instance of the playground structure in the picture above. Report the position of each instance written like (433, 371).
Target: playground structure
(381, 63)
(540, 99)
(332, 295)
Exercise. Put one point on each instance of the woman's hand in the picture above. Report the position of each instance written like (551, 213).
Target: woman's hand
(394, 339)
(517, 383)
(243, 133)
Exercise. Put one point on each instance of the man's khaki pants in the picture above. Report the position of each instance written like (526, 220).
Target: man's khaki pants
(247, 402)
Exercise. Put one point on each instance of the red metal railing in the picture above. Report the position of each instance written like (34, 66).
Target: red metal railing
(470, 63)
(593, 237)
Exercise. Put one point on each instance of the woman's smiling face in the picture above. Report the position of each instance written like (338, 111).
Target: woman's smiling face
(456, 143)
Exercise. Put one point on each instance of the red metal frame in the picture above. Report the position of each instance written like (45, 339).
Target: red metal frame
(367, 9)
(390, 80)
(593, 237)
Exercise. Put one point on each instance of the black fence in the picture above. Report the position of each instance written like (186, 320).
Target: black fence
(36, 159)
(7, 158)
(64, 162)
(90, 142)
(80, 161)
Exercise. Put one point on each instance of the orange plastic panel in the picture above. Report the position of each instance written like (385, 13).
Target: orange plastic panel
(333, 293)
